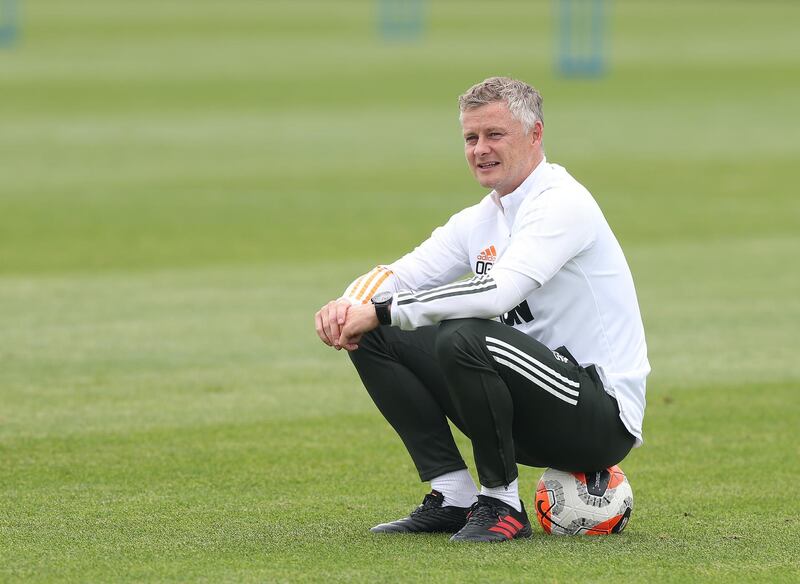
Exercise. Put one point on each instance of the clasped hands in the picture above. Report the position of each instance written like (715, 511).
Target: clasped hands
(341, 324)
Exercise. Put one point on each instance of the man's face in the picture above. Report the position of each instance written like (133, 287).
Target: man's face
(499, 152)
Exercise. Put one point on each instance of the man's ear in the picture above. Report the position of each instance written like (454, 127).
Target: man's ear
(536, 132)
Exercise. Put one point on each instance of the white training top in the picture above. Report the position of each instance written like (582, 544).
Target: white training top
(546, 262)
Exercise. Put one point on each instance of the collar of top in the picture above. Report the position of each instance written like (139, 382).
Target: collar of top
(510, 202)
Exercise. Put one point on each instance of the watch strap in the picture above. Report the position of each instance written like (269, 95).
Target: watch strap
(383, 310)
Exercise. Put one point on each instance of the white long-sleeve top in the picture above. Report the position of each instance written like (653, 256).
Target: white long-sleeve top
(544, 260)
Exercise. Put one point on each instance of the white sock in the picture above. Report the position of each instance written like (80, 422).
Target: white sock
(508, 494)
(458, 488)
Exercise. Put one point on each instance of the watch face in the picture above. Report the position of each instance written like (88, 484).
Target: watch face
(382, 297)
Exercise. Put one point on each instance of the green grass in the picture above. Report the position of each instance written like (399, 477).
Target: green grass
(182, 184)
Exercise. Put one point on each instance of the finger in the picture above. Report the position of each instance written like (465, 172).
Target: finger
(344, 336)
(320, 329)
(349, 335)
(326, 325)
(352, 343)
(341, 311)
(333, 322)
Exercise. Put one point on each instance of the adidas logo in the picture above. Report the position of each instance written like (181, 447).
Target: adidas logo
(488, 255)
(486, 260)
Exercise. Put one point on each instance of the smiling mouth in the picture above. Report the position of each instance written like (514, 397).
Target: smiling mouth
(488, 165)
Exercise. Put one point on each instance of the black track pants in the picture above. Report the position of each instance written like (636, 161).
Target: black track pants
(518, 401)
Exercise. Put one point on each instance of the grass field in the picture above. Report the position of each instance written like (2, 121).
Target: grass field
(182, 184)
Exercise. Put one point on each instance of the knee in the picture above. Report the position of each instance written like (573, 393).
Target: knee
(457, 337)
(370, 343)
(380, 343)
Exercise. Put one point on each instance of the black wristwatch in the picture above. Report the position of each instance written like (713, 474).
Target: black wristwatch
(383, 307)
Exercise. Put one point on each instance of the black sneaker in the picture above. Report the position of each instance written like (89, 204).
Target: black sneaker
(492, 520)
(430, 517)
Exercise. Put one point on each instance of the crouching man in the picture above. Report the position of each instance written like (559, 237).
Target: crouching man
(539, 357)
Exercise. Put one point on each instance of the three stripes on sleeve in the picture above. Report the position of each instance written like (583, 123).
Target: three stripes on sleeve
(474, 285)
(365, 287)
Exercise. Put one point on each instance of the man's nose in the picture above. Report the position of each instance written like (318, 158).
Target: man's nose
(482, 147)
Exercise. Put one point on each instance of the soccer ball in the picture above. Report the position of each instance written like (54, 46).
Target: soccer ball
(591, 503)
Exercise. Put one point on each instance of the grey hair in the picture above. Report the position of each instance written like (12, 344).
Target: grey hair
(524, 102)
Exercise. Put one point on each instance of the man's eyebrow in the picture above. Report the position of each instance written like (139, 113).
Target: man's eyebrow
(487, 130)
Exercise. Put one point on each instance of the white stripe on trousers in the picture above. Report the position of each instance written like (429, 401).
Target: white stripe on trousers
(533, 361)
(533, 375)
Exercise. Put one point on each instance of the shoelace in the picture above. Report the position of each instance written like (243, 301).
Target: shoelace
(429, 502)
(483, 514)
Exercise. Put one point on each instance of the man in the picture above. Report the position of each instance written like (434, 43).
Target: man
(424, 342)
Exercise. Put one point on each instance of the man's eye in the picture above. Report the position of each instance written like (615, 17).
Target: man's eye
(495, 134)
(471, 139)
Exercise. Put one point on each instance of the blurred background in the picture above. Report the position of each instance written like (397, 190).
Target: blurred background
(168, 133)
(295, 138)
(183, 184)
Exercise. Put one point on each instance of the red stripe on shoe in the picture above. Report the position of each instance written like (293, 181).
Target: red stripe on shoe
(508, 526)
(513, 522)
(503, 529)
